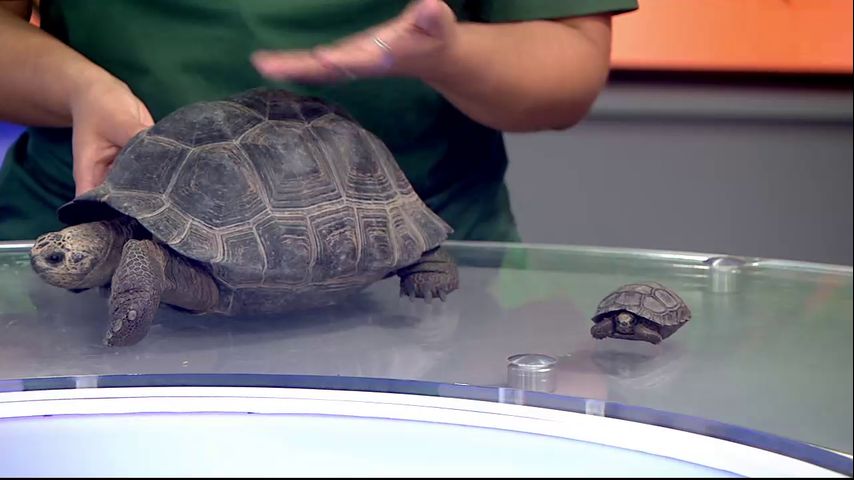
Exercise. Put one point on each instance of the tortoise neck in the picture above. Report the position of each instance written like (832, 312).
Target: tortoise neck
(118, 231)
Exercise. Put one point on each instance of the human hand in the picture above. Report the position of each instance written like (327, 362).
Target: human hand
(105, 115)
(415, 43)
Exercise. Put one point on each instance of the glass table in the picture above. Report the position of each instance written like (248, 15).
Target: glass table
(765, 362)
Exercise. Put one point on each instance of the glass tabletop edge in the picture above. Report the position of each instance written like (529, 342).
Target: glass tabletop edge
(824, 457)
(23, 246)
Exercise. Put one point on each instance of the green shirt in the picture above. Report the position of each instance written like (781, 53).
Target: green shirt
(175, 52)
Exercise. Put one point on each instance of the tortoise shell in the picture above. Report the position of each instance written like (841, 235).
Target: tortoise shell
(286, 199)
(651, 301)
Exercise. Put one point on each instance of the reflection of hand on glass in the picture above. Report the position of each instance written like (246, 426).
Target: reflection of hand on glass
(613, 365)
(436, 323)
(576, 375)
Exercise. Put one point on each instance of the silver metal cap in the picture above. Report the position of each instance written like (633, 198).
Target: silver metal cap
(723, 273)
(532, 371)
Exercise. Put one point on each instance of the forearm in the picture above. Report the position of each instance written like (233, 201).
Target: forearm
(525, 76)
(41, 75)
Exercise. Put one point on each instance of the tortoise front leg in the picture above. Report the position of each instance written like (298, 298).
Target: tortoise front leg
(136, 290)
(148, 274)
(434, 275)
(603, 328)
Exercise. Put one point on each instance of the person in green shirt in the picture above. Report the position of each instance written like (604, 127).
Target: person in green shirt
(437, 81)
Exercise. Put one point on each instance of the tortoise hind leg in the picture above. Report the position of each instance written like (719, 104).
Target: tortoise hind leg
(434, 275)
(148, 274)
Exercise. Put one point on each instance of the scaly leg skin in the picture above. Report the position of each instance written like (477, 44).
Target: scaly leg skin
(434, 275)
(642, 333)
(148, 274)
(604, 328)
(646, 334)
(136, 290)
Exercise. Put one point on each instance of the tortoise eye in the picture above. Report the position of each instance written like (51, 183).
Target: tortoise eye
(55, 257)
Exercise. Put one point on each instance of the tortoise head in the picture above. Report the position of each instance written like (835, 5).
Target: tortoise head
(627, 326)
(78, 257)
(624, 323)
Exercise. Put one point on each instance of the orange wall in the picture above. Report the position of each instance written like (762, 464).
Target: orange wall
(736, 35)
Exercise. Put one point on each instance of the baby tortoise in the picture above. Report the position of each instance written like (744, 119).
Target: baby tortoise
(646, 311)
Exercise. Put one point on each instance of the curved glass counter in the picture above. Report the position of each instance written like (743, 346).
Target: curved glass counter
(766, 357)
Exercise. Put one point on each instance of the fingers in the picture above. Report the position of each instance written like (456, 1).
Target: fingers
(105, 117)
(94, 149)
(298, 66)
(430, 17)
(145, 119)
(91, 164)
(366, 55)
(408, 39)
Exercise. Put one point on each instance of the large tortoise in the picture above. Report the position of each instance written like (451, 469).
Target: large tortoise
(646, 311)
(263, 202)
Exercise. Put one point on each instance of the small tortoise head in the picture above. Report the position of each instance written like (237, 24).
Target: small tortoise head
(624, 323)
(78, 257)
(628, 326)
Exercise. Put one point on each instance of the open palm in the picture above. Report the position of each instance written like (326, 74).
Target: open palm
(405, 45)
